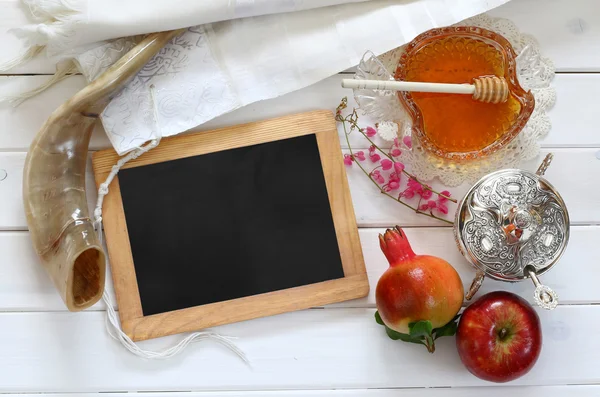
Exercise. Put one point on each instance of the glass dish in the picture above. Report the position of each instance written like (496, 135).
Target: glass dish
(452, 126)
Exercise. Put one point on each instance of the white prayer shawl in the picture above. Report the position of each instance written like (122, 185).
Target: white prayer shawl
(64, 25)
(215, 68)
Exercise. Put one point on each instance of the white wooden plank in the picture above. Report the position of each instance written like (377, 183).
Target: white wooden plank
(565, 278)
(313, 349)
(24, 285)
(569, 173)
(29, 288)
(515, 391)
(572, 118)
(11, 187)
(568, 31)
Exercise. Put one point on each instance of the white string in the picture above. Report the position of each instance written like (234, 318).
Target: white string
(113, 325)
(21, 59)
(62, 72)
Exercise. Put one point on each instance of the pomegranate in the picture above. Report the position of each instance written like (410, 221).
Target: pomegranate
(416, 288)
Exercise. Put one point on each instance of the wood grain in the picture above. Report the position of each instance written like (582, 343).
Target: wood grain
(25, 287)
(574, 112)
(568, 32)
(119, 251)
(47, 351)
(248, 308)
(340, 200)
(515, 391)
(569, 173)
(309, 349)
(236, 136)
(355, 283)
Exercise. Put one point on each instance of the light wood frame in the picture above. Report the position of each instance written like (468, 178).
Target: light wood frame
(353, 285)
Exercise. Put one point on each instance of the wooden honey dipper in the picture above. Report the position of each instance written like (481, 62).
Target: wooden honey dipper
(487, 89)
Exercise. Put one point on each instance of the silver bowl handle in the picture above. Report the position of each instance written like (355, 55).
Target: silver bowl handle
(545, 163)
(475, 285)
(544, 296)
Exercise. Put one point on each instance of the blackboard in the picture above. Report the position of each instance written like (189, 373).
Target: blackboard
(231, 224)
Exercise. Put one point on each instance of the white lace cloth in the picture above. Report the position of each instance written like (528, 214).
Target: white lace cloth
(535, 73)
(215, 68)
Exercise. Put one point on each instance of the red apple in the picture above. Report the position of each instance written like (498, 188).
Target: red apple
(499, 337)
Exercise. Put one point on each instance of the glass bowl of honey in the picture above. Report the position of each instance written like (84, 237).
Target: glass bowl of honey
(458, 127)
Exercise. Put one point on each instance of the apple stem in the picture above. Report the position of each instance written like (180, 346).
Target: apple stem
(503, 333)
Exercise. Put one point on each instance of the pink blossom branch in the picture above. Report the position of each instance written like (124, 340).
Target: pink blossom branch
(343, 120)
(352, 120)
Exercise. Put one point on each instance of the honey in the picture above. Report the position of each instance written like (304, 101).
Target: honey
(454, 122)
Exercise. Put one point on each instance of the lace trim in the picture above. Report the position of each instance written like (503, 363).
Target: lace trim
(191, 88)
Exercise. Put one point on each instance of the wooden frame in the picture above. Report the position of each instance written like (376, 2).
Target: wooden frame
(353, 285)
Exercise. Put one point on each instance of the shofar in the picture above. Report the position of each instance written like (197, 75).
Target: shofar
(54, 192)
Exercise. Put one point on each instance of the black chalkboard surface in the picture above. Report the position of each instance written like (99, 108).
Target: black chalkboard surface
(230, 224)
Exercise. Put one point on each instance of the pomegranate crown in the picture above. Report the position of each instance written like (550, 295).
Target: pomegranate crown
(395, 246)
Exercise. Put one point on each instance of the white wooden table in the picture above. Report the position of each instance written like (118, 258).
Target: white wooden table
(339, 350)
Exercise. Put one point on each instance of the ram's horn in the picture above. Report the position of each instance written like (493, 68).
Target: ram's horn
(54, 192)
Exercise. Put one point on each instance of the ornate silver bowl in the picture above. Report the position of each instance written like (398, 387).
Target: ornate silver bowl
(513, 225)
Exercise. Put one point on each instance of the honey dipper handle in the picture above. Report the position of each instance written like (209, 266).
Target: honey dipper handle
(408, 86)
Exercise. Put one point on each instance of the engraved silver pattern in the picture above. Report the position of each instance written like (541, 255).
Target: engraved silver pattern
(509, 220)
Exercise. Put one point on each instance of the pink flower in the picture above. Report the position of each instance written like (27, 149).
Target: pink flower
(386, 164)
(393, 185)
(443, 196)
(426, 193)
(378, 177)
(348, 159)
(396, 142)
(408, 193)
(398, 167)
(412, 182)
(442, 207)
(394, 177)
(395, 152)
(407, 141)
(442, 202)
(374, 157)
(428, 205)
(371, 132)
(360, 156)
(415, 186)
